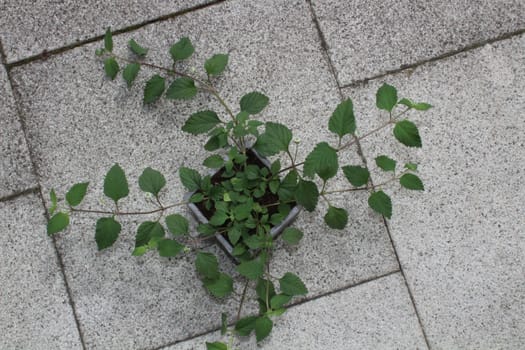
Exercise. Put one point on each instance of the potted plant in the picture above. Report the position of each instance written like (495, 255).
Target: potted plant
(246, 200)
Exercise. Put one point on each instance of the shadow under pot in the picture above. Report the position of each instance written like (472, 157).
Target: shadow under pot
(203, 215)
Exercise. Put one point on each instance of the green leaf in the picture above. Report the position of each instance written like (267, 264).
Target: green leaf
(190, 178)
(148, 231)
(292, 236)
(224, 323)
(53, 198)
(307, 194)
(356, 175)
(421, 106)
(342, 121)
(411, 166)
(263, 328)
(106, 232)
(151, 181)
(108, 40)
(182, 49)
(115, 183)
(216, 346)
(99, 52)
(130, 73)
(260, 289)
(279, 300)
(411, 182)
(215, 161)
(245, 325)
(136, 48)
(111, 67)
(217, 141)
(381, 203)
(321, 161)
(201, 122)
(207, 265)
(206, 229)
(276, 138)
(254, 102)
(181, 89)
(139, 251)
(177, 224)
(218, 218)
(76, 193)
(220, 287)
(291, 284)
(154, 88)
(406, 132)
(386, 163)
(386, 97)
(169, 248)
(234, 234)
(252, 269)
(336, 218)
(57, 223)
(216, 64)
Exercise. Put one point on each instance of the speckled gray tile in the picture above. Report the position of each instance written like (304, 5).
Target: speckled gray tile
(29, 28)
(374, 315)
(369, 38)
(36, 313)
(79, 124)
(461, 242)
(16, 172)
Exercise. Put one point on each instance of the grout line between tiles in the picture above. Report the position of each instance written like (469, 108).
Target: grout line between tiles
(15, 195)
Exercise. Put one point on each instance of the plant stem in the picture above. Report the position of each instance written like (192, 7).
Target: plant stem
(118, 212)
(242, 299)
(363, 188)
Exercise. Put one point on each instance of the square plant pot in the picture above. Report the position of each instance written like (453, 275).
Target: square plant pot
(223, 241)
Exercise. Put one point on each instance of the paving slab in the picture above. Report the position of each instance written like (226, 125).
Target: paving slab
(461, 242)
(369, 38)
(374, 315)
(29, 28)
(16, 173)
(79, 124)
(36, 313)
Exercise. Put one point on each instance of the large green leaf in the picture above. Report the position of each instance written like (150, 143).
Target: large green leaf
(76, 193)
(381, 203)
(57, 223)
(147, 231)
(182, 49)
(190, 178)
(207, 265)
(111, 67)
(254, 102)
(406, 132)
(386, 163)
(276, 138)
(136, 48)
(181, 89)
(342, 121)
(386, 97)
(252, 269)
(115, 183)
(216, 64)
(292, 285)
(151, 181)
(154, 88)
(307, 194)
(411, 182)
(336, 218)
(321, 161)
(356, 175)
(106, 232)
(169, 248)
(201, 122)
(177, 224)
(130, 73)
(214, 161)
(220, 287)
(291, 235)
(263, 327)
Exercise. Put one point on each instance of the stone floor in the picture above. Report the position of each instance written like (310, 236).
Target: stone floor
(446, 272)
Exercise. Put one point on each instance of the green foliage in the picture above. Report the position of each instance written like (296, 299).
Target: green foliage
(356, 175)
(53, 198)
(207, 265)
(111, 67)
(411, 166)
(219, 287)
(108, 40)
(406, 132)
(76, 194)
(147, 232)
(106, 232)
(276, 138)
(182, 49)
(381, 203)
(342, 121)
(245, 325)
(307, 194)
(154, 88)
(321, 161)
(336, 218)
(292, 235)
(169, 248)
(216, 346)
(386, 163)
(279, 300)
(177, 224)
(251, 269)
(181, 89)
(263, 327)
(216, 64)
(190, 178)
(254, 103)
(292, 285)
(214, 161)
(386, 97)
(201, 122)
(411, 182)
(151, 181)
(116, 184)
(136, 48)
(421, 106)
(130, 73)
(57, 223)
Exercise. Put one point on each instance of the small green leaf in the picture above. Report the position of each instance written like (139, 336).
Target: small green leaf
(386, 97)
(307, 194)
(111, 67)
(321, 161)
(53, 198)
(276, 138)
(148, 231)
(291, 284)
(99, 52)
(218, 218)
(411, 166)
(169, 248)
(190, 178)
(220, 287)
(106, 232)
(411, 182)
(254, 102)
(224, 323)
(206, 229)
(263, 328)
(201, 122)
(130, 73)
(406, 132)
(177, 224)
(386, 163)
(154, 88)
(136, 48)
(336, 218)
(381, 203)
(182, 49)
(139, 251)
(57, 223)
(356, 175)
(207, 265)
(245, 325)
(421, 106)
(342, 121)
(292, 236)
(115, 183)
(108, 40)
(234, 234)
(252, 269)
(77, 193)
(279, 300)
(216, 64)
(215, 161)
(151, 181)
(181, 89)
(216, 346)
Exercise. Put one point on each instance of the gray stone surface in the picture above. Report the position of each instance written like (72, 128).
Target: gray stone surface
(461, 242)
(374, 315)
(29, 28)
(80, 124)
(36, 313)
(15, 164)
(368, 38)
